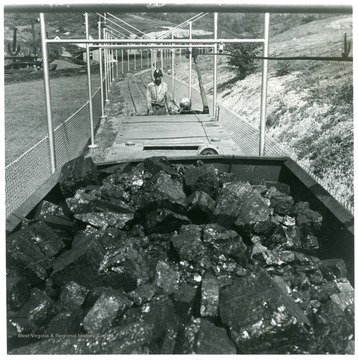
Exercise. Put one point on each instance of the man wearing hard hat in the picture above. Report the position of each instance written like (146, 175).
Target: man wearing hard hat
(158, 95)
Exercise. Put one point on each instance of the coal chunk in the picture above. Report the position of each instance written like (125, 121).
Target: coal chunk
(105, 311)
(281, 203)
(164, 220)
(18, 291)
(77, 173)
(203, 337)
(209, 305)
(288, 238)
(188, 243)
(185, 300)
(33, 249)
(156, 164)
(72, 296)
(48, 208)
(167, 277)
(62, 225)
(202, 178)
(65, 323)
(225, 242)
(345, 297)
(200, 207)
(228, 203)
(35, 313)
(162, 191)
(333, 268)
(143, 293)
(333, 331)
(309, 221)
(126, 267)
(84, 258)
(261, 317)
(253, 210)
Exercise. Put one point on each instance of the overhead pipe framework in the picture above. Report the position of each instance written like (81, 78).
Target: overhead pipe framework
(341, 7)
(108, 43)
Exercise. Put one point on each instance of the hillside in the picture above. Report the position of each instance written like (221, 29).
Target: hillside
(310, 103)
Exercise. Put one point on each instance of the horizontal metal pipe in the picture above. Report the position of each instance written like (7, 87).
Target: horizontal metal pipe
(153, 41)
(242, 6)
(148, 46)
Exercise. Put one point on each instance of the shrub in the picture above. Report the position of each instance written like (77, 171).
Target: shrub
(242, 57)
(283, 68)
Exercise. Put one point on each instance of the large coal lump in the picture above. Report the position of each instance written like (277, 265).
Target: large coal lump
(32, 250)
(262, 318)
(77, 173)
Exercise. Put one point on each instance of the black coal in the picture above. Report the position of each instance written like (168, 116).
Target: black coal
(174, 259)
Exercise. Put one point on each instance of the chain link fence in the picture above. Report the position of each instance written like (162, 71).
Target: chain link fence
(27, 173)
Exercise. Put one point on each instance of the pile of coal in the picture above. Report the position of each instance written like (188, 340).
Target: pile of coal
(157, 258)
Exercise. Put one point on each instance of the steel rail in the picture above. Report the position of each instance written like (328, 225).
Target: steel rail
(154, 41)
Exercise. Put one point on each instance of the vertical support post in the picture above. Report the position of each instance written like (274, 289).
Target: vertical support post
(135, 58)
(88, 58)
(264, 86)
(190, 58)
(109, 80)
(101, 70)
(47, 93)
(154, 61)
(117, 65)
(105, 60)
(122, 58)
(112, 58)
(215, 66)
(173, 68)
(141, 58)
(162, 58)
(129, 69)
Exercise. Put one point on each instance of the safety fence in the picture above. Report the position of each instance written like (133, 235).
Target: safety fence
(33, 168)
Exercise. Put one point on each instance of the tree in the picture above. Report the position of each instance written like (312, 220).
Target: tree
(242, 58)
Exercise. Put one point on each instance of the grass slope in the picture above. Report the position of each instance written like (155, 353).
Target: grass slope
(309, 109)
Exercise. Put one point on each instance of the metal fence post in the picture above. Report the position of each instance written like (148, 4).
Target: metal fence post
(103, 116)
(162, 59)
(122, 60)
(88, 58)
(215, 65)
(173, 66)
(105, 61)
(47, 92)
(190, 58)
(264, 87)
(117, 63)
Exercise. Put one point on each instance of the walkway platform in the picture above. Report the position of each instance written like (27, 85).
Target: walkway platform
(170, 135)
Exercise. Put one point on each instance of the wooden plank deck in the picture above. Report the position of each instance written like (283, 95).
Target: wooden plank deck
(170, 135)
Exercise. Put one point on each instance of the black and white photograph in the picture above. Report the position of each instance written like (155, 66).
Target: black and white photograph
(178, 178)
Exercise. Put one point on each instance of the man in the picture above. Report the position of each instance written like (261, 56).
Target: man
(158, 95)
